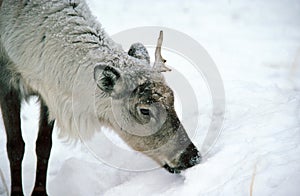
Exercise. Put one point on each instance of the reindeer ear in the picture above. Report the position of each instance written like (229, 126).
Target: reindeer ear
(106, 77)
(139, 51)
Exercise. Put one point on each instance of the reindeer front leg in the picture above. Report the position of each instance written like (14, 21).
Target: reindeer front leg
(11, 104)
(43, 149)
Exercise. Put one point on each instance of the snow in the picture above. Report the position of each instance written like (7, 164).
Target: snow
(256, 47)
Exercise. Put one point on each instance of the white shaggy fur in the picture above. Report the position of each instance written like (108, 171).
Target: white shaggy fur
(54, 47)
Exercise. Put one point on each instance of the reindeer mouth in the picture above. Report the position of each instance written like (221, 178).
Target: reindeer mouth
(173, 170)
(177, 170)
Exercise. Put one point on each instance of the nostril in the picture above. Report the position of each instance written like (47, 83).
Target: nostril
(195, 160)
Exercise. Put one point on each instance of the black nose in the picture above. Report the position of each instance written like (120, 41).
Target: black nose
(190, 157)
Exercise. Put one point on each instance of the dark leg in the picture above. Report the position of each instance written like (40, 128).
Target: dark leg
(11, 105)
(43, 148)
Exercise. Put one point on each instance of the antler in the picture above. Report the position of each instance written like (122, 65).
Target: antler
(159, 63)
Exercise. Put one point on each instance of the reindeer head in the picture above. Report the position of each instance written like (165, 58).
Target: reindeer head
(142, 109)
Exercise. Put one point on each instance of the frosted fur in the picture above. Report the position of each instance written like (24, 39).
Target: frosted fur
(54, 47)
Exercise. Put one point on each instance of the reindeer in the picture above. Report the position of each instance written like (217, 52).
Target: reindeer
(57, 51)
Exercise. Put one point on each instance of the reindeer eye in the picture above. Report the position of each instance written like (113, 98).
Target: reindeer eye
(145, 111)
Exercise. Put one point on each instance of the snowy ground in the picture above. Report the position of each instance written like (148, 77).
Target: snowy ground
(256, 46)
